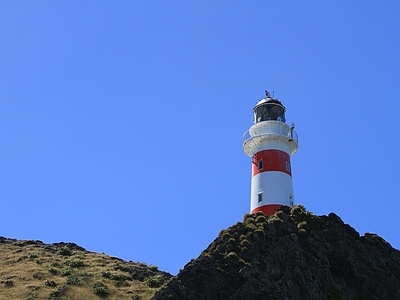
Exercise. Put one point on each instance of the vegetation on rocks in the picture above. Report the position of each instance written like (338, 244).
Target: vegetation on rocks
(292, 254)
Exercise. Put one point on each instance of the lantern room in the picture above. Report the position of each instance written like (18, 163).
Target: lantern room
(269, 109)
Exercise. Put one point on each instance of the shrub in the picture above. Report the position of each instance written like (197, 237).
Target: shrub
(275, 220)
(154, 281)
(248, 220)
(32, 256)
(153, 268)
(261, 219)
(53, 271)
(119, 277)
(72, 280)
(120, 283)
(65, 272)
(105, 274)
(300, 214)
(64, 251)
(224, 234)
(37, 275)
(279, 214)
(102, 262)
(298, 209)
(302, 225)
(100, 289)
(50, 283)
(232, 241)
(244, 243)
(85, 276)
(76, 263)
(56, 264)
(59, 293)
(251, 226)
(231, 255)
(8, 283)
(248, 217)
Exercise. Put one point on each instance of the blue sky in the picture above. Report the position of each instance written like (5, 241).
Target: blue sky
(121, 121)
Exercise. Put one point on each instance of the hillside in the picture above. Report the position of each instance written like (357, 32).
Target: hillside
(293, 254)
(33, 270)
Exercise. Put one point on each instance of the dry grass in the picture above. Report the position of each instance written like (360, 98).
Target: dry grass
(33, 270)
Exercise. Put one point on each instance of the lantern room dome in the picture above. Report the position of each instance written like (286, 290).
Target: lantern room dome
(269, 109)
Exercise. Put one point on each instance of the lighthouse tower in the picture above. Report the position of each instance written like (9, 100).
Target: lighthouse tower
(270, 142)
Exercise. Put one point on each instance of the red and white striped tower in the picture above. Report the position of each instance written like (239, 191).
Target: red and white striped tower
(270, 142)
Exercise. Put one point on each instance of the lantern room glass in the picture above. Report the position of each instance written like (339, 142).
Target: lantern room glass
(268, 111)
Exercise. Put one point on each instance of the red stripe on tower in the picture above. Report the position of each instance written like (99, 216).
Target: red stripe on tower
(271, 160)
(270, 142)
(267, 210)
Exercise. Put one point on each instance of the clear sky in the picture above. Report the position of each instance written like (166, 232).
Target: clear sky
(121, 122)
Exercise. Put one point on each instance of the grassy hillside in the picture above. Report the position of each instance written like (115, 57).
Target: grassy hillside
(34, 270)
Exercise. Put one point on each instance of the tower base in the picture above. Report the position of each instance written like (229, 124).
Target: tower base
(267, 210)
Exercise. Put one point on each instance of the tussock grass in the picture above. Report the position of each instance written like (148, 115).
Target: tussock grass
(33, 270)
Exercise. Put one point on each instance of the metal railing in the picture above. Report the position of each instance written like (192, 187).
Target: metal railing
(273, 129)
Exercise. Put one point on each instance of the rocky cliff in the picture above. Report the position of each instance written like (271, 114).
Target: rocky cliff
(293, 254)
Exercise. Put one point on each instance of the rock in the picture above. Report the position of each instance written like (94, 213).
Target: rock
(293, 254)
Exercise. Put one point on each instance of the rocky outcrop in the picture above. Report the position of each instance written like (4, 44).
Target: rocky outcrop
(290, 255)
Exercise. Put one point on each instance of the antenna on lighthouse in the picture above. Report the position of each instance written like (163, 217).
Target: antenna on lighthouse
(270, 142)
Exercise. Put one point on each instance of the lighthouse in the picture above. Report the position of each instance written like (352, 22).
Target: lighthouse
(270, 142)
